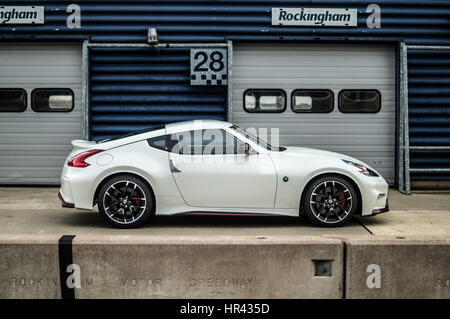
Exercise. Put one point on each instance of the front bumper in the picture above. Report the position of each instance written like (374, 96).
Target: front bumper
(374, 193)
(381, 210)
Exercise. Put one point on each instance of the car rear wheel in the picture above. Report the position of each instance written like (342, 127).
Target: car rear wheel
(125, 201)
(330, 201)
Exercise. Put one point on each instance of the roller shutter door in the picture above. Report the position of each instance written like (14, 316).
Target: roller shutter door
(369, 137)
(138, 88)
(33, 145)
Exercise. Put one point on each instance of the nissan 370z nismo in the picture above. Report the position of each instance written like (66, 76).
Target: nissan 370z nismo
(214, 167)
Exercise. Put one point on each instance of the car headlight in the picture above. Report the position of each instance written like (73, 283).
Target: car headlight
(362, 169)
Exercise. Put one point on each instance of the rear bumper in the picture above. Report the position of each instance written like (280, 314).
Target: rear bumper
(78, 186)
(64, 203)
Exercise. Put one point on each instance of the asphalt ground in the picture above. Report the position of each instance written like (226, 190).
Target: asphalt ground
(37, 210)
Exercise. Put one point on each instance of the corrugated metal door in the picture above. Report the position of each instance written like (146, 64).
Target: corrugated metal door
(368, 137)
(138, 88)
(429, 111)
(33, 145)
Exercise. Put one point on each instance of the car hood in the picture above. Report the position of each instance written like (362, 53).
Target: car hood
(304, 151)
(314, 152)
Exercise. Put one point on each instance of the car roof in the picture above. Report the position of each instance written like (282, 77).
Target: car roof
(169, 129)
(195, 125)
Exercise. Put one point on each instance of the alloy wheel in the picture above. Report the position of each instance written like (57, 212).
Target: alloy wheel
(124, 202)
(331, 202)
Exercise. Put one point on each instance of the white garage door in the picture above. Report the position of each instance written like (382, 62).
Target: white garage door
(325, 89)
(40, 110)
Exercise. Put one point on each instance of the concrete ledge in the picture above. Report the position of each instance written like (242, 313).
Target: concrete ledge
(207, 267)
(408, 267)
(29, 266)
(229, 266)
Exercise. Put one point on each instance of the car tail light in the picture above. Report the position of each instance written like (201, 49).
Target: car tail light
(79, 160)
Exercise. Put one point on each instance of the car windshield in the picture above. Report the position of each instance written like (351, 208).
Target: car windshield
(257, 140)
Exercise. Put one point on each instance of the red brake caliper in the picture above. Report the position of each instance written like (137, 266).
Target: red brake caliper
(342, 197)
(138, 200)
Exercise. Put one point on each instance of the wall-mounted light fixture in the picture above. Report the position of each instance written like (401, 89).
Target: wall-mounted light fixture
(152, 36)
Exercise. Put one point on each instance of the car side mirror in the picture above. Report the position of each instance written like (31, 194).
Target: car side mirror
(246, 148)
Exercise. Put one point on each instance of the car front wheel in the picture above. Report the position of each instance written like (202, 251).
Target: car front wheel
(330, 201)
(125, 201)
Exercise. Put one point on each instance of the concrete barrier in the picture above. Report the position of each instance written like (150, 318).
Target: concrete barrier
(398, 267)
(29, 266)
(208, 267)
(225, 267)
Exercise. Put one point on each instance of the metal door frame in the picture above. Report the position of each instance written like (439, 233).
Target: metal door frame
(405, 170)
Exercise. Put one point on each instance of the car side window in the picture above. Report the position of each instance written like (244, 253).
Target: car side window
(180, 143)
(159, 142)
(205, 142)
(219, 141)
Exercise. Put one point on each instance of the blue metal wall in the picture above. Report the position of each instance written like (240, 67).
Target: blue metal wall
(415, 21)
(132, 89)
(429, 109)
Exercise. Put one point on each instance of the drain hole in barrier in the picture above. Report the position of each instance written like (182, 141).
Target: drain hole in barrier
(323, 268)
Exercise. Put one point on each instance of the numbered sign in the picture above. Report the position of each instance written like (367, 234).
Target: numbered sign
(209, 67)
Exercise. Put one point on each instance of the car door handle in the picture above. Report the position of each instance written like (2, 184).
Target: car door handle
(173, 167)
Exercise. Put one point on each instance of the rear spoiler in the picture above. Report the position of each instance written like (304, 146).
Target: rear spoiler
(82, 144)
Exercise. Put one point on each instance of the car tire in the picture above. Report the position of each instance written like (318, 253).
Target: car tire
(330, 201)
(125, 201)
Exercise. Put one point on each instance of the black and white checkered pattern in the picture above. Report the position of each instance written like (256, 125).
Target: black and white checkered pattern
(210, 79)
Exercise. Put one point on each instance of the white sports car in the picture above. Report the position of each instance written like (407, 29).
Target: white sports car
(214, 167)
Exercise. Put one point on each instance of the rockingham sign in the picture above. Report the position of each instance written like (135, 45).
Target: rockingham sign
(314, 17)
(22, 15)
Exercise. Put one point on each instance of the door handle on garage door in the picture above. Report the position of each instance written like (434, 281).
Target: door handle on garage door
(173, 167)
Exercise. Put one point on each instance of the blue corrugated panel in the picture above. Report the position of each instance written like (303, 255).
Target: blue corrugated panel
(415, 21)
(134, 89)
(429, 110)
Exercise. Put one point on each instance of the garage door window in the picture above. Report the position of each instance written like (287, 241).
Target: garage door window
(359, 101)
(312, 101)
(52, 100)
(264, 101)
(13, 100)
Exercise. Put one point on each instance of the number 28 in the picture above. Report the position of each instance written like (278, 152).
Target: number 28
(216, 61)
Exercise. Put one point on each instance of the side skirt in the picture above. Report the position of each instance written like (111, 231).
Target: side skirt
(227, 214)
